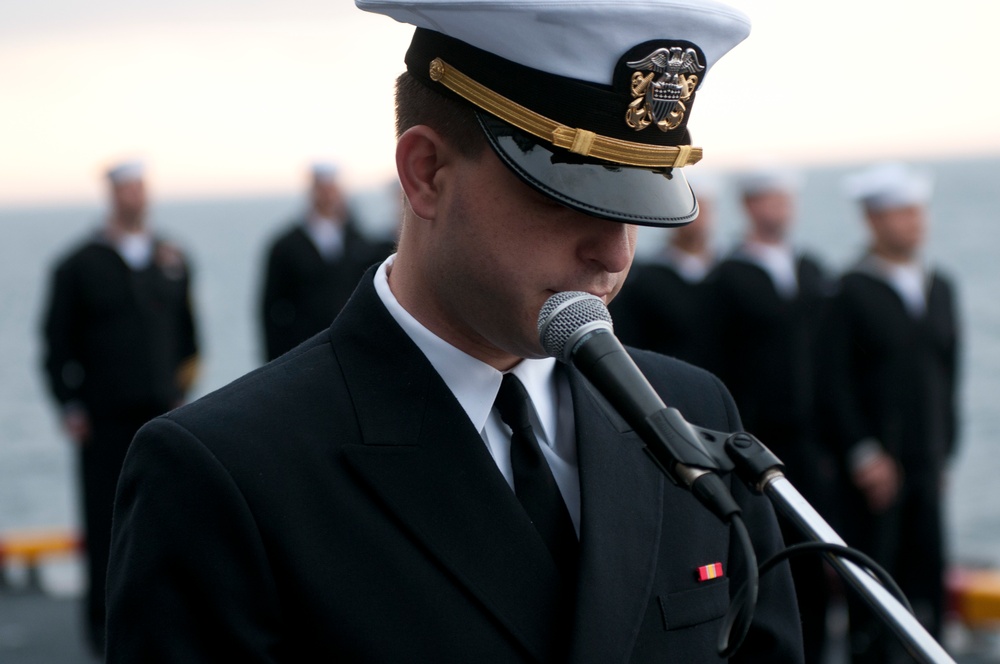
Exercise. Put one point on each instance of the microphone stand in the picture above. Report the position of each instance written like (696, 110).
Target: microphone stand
(761, 470)
(917, 641)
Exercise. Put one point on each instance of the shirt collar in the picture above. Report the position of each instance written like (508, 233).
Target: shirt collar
(474, 383)
(777, 260)
(908, 279)
(538, 377)
(327, 235)
(135, 248)
(762, 251)
(692, 268)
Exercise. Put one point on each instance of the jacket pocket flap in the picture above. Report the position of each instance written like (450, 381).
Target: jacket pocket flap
(695, 606)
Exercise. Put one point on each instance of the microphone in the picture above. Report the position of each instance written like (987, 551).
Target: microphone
(576, 328)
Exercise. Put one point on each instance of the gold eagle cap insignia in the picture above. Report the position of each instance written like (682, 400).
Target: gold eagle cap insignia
(660, 101)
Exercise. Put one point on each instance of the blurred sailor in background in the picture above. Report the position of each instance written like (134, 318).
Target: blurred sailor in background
(765, 298)
(120, 349)
(314, 265)
(663, 306)
(890, 347)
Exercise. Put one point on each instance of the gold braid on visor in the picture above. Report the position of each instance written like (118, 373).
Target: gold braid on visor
(577, 141)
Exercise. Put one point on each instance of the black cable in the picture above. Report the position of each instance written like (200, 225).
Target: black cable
(737, 621)
(847, 552)
(742, 607)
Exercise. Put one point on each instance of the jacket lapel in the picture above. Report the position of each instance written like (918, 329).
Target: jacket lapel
(431, 469)
(619, 540)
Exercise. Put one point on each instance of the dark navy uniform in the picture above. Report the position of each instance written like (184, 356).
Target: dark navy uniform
(116, 341)
(764, 352)
(890, 377)
(337, 505)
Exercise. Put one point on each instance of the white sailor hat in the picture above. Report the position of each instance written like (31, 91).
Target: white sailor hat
(126, 171)
(768, 178)
(587, 102)
(324, 171)
(888, 185)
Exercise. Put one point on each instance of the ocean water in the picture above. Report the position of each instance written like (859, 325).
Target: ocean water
(226, 240)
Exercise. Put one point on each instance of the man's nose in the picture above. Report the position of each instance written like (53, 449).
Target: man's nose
(610, 244)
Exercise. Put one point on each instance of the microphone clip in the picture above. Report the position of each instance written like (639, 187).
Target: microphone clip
(685, 451)
(680, 442)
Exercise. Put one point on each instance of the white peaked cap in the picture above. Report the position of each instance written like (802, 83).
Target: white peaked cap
(888, 185)
(587, 101)
(574, 38)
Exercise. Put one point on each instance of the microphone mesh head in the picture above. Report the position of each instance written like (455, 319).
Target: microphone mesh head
(564, 314)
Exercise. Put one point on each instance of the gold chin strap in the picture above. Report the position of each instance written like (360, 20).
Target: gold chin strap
(578, 141)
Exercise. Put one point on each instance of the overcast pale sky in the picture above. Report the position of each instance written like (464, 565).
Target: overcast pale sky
(225, 97)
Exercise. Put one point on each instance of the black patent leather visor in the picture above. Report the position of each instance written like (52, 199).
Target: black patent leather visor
(619, 193)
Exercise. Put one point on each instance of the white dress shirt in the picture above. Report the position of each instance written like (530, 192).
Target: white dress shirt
(475, 385)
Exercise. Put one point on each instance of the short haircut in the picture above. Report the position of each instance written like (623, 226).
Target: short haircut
(455, 121)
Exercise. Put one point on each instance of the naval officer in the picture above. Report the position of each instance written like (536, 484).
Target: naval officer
(419, 482)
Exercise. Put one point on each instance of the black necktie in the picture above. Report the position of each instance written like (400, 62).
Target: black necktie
(533, 481)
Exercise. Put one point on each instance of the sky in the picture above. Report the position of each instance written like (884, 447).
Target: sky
(237, 97)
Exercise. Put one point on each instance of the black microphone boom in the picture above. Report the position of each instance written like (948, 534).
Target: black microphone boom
(575, 327)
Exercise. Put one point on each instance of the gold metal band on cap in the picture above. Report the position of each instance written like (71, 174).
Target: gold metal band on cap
(578, 141)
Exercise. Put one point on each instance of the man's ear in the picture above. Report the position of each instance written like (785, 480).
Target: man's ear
(420, 155)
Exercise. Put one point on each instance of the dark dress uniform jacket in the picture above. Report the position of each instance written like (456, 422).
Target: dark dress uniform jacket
(765, 351)
(892, 377)
(337, 505)
(303, 291)
(115, 337)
